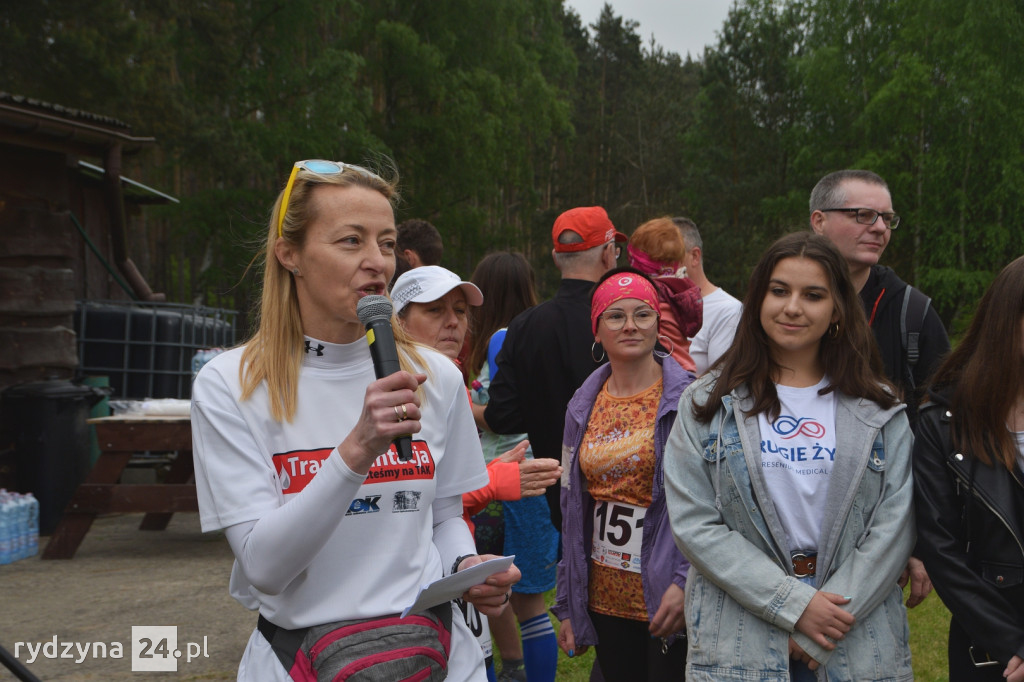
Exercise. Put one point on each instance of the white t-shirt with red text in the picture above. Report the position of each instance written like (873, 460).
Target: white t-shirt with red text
(247, 464)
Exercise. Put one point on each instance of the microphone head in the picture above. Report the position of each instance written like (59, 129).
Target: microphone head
(374, 308)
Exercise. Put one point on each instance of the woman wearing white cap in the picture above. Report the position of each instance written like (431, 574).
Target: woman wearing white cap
(432, 304)
(433, 307)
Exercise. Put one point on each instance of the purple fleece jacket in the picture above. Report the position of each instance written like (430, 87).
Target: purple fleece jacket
(661, 561)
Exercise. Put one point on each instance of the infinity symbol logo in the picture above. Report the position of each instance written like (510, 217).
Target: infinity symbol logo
(790, 427)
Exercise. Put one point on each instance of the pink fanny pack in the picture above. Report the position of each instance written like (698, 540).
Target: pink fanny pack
(385, 649)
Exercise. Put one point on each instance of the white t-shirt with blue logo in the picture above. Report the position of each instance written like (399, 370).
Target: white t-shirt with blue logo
(797, 452)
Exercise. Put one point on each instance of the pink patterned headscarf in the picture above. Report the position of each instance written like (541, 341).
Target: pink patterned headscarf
(619, 287)
(645, 264)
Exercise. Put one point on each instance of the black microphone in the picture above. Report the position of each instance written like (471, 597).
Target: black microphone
(375, 313)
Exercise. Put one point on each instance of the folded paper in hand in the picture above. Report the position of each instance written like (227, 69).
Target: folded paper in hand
(453, 586)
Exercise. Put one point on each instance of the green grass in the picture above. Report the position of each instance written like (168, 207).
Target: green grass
(929, 630)
(577, 668)
(929, 626)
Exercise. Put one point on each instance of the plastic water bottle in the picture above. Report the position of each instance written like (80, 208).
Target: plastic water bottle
(33, 525)
(23, 527)
(480, 394)
(198, 360)
(6, 513)
(19, 532)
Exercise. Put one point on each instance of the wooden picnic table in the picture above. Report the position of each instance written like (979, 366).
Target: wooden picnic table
(102, 492)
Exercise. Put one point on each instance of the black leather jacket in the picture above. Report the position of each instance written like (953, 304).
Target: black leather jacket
(970, 534)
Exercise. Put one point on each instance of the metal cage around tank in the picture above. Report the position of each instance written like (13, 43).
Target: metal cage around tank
(146, 349)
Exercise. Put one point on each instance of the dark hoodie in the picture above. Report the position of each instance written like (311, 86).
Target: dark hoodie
(882, 296)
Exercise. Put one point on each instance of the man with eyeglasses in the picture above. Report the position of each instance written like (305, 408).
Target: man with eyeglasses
(547, 351)
(853, 208)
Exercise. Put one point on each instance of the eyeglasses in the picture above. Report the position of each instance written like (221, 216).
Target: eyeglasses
(616, 319)
(320, 167)
(868, 216)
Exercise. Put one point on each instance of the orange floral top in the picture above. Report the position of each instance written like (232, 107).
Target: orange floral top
(617, 458)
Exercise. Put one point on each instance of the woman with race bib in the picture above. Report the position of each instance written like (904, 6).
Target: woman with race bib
(621, 577)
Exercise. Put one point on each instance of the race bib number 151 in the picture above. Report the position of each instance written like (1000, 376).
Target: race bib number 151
(618, 533)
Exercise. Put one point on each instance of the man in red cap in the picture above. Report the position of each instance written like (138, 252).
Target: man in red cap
(547, 351)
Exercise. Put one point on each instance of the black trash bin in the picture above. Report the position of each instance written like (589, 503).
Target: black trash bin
(46, 421)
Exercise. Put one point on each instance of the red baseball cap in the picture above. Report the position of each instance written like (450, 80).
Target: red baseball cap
(591, 223)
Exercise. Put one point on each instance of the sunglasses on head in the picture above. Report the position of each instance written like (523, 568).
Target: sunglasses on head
(319, 167)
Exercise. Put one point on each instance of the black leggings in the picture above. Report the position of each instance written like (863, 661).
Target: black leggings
(626, 652)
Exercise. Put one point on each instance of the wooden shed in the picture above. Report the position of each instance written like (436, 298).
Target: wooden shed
(64, 215)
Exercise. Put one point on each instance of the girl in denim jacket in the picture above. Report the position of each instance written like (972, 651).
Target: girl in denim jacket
(788, 483)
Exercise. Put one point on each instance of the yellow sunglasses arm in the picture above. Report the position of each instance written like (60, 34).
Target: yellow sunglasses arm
(285, 198)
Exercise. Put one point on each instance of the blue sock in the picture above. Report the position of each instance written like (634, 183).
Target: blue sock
(491, 676)
(540, 648)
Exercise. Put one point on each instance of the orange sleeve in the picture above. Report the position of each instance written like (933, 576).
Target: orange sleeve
(502, 484)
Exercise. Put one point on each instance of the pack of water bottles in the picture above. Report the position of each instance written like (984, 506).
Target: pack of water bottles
(19, 526)
(203, 356)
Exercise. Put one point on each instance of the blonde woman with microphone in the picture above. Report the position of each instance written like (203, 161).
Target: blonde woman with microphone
(294, 458)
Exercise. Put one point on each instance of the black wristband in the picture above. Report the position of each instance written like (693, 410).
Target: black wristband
(459, 560)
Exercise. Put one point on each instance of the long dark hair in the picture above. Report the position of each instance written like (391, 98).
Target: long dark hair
(986, 371)
(851, 359)
(506, 280)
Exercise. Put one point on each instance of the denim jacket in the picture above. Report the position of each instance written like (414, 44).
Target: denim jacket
(661, 563)
(742, 598)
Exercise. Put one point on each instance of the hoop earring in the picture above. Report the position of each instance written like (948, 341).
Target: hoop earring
(833, 331)
(664, 354)
(593, 347)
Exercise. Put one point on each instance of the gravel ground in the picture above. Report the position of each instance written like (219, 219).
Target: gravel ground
(123, 577)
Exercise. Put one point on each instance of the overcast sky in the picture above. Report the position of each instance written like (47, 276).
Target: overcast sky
(678, 25)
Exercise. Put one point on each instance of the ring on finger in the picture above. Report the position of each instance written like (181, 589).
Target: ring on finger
(405, 413)
(398, 415)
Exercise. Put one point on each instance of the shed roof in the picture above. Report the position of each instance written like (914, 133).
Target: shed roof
(26, 121)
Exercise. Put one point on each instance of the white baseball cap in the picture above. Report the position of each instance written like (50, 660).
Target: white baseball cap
(429, 283)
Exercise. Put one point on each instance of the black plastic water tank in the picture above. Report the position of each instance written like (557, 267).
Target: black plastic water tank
(146, 349)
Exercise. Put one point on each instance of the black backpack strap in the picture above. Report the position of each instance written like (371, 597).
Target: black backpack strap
(915, 308)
